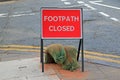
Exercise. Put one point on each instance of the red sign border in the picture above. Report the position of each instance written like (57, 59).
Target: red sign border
(54, 8)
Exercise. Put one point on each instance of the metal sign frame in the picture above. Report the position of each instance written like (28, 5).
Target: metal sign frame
(80, 47)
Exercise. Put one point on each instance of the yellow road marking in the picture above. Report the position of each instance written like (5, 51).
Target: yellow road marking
(12, 47)
(7, 2)
(16, 49)
(100, 54)
(37, 49)
(102, 59)
(86, 56)
(19, 46)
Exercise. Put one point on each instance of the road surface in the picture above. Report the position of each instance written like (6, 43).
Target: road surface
(20, 23)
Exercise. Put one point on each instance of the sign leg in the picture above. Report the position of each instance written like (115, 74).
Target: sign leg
(79, 50)
(82, 55)
(41, 51)
(42, 55)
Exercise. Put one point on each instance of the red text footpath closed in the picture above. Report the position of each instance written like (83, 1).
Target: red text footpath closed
(61, 23)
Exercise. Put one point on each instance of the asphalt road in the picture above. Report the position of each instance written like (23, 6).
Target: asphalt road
(20, 23)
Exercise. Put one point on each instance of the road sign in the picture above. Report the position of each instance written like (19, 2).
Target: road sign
(61, 23)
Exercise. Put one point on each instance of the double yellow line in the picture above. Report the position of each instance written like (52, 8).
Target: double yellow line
(24, 48)
(88, 54)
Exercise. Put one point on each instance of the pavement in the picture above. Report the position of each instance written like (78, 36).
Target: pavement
(101, 21)
(30, 69)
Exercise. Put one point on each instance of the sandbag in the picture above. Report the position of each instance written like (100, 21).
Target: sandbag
(64, 55)
(70, 62)
(57, 52)
(49, 59)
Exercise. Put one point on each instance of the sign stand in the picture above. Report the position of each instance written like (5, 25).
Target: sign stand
(80, 48)
(73, 17)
